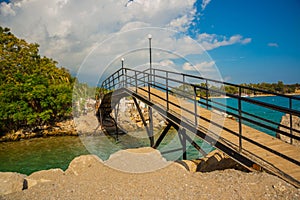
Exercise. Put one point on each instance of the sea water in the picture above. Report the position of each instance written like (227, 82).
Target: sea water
(263, 112)
(32, 155)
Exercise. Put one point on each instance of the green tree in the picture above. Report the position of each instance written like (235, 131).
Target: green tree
(33, 91)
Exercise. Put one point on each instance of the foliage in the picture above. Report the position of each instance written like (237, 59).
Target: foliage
(33, 91)
(279, 87)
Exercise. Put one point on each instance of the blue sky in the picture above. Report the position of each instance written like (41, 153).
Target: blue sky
(274, 28)
(249, 41)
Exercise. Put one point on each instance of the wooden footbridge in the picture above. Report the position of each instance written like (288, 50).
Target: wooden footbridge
(192, 112)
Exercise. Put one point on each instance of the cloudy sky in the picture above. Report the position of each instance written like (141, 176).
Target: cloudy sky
(240, 41)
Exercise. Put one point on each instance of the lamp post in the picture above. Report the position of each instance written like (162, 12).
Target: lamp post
(122, 61)
(150, 83)
(150, 56)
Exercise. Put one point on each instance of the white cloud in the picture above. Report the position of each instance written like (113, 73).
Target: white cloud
(182, 23)
(68, 31)
(206, 66)
(204, 4)
(273, 44)
(212, 41)
(6, 9)
(166, 63)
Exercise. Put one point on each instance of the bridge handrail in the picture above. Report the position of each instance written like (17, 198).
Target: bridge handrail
(237, 134)
(126, 73)
(243, 118)
(267, 105)
(231, 84)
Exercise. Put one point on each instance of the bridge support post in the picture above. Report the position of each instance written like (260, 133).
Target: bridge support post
(144, 122)
(182, 138)
(195, 145)
(150, 114)
(186, 137)
(116, 121)
(195, 107)
(161, 137)
(151, 127)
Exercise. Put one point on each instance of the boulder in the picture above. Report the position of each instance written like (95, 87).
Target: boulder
(11, 182)
(189, 165)
(285, 120)
(215, 160)
(43, 176)
(81, 164)
(138, 160)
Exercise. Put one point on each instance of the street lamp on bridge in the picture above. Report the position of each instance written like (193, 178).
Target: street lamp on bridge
(150, 85)
(122, 61)
(150, 56)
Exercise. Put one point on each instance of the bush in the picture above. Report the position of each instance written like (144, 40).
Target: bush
(33, 91)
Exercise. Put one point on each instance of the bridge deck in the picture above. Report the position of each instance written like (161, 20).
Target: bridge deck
(268, 160)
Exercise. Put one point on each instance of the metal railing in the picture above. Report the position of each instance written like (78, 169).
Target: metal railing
(191, 87)
(200, 91)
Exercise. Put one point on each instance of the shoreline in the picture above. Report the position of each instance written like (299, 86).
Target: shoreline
(257, 95)
(63, 128)
(82, 125)
(89, 177)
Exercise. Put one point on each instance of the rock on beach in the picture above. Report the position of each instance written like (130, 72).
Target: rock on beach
(285, 120)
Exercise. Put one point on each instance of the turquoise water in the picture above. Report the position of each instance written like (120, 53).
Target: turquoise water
(32, 155)
(261, 111)
(28, 156)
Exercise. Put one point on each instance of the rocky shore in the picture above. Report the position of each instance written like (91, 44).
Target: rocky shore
(129, 120)
(88, 177)
(64, 128)
(285, 120)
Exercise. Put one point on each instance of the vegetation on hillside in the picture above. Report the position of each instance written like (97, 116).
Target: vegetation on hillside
(278, 87)
(33, 90)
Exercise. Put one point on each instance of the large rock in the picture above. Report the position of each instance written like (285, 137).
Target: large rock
(43, 177)
(81, 164)
(215, 160)
(11, 182)
(138, 160)
(285, 120)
